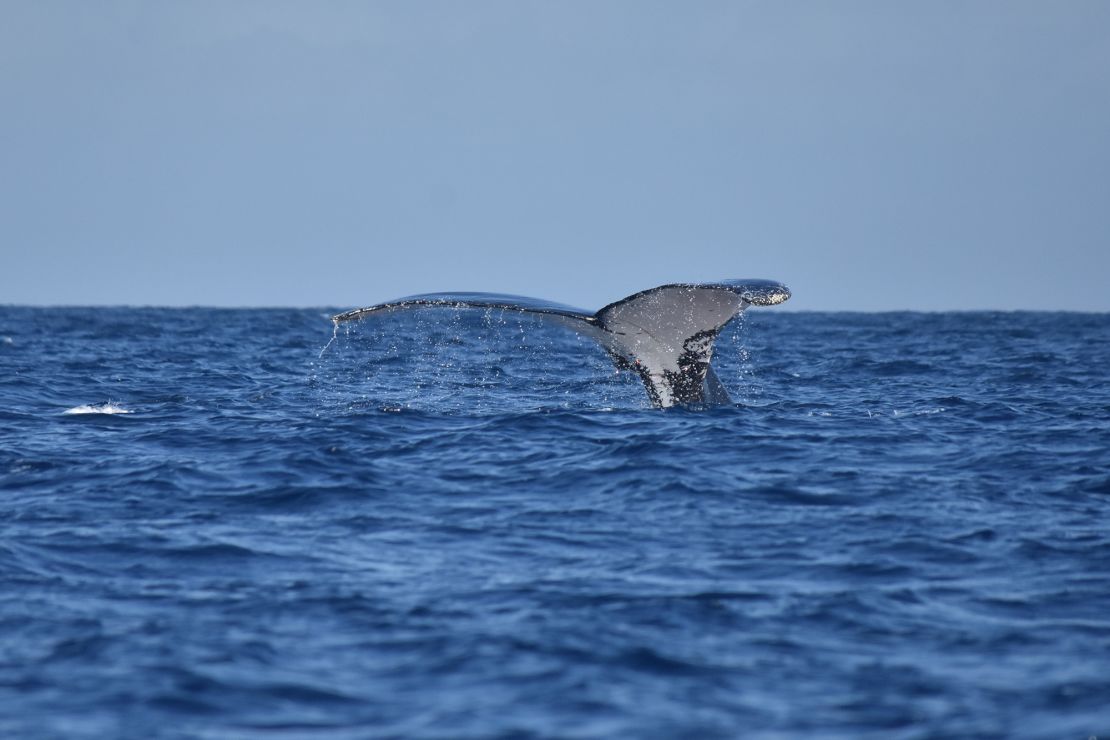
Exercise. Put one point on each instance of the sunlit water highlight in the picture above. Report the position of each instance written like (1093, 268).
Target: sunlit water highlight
(468, 525)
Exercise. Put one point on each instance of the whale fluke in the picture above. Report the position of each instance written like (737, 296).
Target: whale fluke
(665, 334)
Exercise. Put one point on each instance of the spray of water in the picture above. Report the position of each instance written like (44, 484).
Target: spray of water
(450, 360)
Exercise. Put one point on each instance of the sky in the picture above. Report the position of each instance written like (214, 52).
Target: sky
(877, 155)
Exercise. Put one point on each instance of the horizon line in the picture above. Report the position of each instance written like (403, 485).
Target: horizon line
(331, 307)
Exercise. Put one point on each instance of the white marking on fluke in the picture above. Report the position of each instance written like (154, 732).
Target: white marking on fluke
(665, 334)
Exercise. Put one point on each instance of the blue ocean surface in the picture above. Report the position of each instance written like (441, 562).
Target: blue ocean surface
(467, 524)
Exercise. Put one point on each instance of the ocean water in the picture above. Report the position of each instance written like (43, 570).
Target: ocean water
(231, 524)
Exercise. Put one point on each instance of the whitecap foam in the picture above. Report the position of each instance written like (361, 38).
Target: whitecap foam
(98, 408)
(919, 412)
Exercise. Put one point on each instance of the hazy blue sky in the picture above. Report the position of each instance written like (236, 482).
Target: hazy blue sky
(872, 155)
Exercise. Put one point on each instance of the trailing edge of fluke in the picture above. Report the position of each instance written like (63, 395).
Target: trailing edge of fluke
(665, 334)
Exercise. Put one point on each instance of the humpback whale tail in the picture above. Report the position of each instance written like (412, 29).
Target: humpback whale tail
(665, 334)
